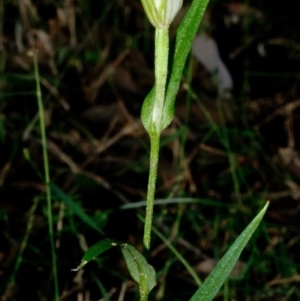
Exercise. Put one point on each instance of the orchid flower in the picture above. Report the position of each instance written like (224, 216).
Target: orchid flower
(161, 12)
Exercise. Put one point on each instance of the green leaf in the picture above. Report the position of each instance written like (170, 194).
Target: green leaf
(95, 250)
(217, 277)
(182, 44)
(74, 207)
(147, 110)
(139, 269)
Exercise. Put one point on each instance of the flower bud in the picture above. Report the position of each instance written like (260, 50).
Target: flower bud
(161, 12)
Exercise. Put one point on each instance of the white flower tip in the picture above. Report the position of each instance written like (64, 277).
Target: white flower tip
(161, 12)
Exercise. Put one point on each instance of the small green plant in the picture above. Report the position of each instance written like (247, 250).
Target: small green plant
(157, 113)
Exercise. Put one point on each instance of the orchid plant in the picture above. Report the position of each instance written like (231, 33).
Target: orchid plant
(157, 113)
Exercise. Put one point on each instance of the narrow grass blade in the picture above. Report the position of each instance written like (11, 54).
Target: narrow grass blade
(74, 207)
(217, 277)
(179, 256)
(207, 202)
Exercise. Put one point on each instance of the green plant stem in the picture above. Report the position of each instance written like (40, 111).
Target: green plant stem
(46, 172)
(154, 151)
(161, 72)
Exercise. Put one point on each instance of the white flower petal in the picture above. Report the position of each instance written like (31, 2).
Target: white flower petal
(162, 12)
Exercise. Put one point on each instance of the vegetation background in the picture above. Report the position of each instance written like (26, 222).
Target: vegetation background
(227, 151)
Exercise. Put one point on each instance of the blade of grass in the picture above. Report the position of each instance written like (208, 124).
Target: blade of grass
(22, 248)
(207, 202)
(46, 172)
(176, 253)
(74, 207)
